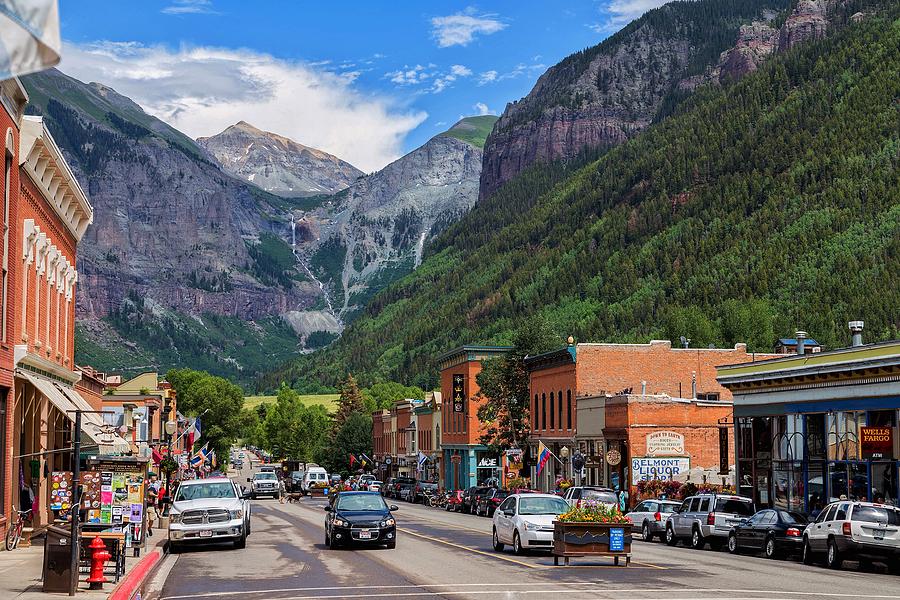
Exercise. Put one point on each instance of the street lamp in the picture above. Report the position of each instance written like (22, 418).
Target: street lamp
(171, 426)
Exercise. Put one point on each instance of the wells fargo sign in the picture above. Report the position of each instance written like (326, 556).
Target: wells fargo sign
(877, 442)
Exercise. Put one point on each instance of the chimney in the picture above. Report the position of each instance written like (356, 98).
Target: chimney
(856, 328)
(643, 388)
(694, 385)
(801, 342)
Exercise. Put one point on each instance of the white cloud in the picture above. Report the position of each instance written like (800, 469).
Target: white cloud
(460, 71)
(622, 12)
(202, 90)
(487, 77)
(482, 108)
(461, 28)
(409, 75)
(186, 7)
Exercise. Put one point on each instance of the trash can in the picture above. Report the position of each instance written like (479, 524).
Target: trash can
(57, 560)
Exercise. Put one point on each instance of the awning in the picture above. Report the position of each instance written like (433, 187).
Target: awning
(67, 400)
(31, 40)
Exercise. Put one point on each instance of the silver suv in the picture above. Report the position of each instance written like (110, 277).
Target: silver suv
(707, 518)
(264, 483)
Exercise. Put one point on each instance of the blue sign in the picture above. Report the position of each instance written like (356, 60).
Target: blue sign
(617, 540)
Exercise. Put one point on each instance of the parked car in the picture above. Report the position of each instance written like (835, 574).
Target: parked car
(264, 483)
(650, 517)
(454, 501)
(209, 510)
(419, 490)
(525, 521)
(488, 503)
(399, 484)
(387, 489)
(577, 494)
(294, 481)
(707, 518)
(314, 475)
(773, 532)
(470, 498)
(361, 518)
(375, 486)
(405, 491)
(862, 531)
(365, 480)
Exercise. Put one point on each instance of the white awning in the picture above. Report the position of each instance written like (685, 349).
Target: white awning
(31, 40)
(67, 400)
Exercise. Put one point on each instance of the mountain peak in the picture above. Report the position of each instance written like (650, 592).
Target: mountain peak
(472, 130)
(276, 163)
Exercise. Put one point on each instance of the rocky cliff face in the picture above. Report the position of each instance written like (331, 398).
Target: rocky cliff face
(277, 164)
(808, 21)
(605, 94)
(754, 44)
(171, 231)
(382, 222)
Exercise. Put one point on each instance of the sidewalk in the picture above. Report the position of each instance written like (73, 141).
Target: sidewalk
(20, 573)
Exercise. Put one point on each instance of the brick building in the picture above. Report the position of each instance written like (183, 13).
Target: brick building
(12, 108)
(427, 438)
(559, 379)
(660, 437)
(46, 215)
(466, 462)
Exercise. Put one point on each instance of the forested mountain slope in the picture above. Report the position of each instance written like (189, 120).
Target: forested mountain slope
(762, 206)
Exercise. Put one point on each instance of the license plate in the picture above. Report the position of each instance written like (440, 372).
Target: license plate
(365, 535)
(879, 535)
(206, 533)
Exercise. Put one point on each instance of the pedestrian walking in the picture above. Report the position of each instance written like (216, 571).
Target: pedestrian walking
(281, 491)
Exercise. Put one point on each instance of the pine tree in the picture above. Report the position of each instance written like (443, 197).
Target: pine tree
(351, 401)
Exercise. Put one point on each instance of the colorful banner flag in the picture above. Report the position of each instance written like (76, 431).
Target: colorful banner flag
(352, 460)
(544, 455)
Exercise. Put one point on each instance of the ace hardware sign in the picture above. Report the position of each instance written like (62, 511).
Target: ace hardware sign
(459, 393)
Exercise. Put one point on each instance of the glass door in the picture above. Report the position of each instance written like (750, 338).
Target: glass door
(884, 482)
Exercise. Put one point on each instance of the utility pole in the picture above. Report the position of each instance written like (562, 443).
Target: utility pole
(76, 502)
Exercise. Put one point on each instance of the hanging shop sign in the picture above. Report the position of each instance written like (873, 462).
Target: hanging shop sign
(459, 393)
(651, 467)
(613, 457)
(665, 443)
(877, 442)
(724, 451)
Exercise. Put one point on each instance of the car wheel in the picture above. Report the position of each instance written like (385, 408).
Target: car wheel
(807, 553)
(697, 541)
(833, 558)
(645, 533)
(327, 540)
(174, 548)
(770, 550)
(671, 539)
(241, 542)
(732, 544)
(498, 545)
(517, 544)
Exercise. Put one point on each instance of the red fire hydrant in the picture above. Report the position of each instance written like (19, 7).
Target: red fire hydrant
(98, 558)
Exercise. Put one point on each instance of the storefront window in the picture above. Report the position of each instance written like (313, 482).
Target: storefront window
(762, 437)
(884, 482)
(837, 481)
(843, 435)
(788, 485)
(745, 486)
(859, 481)
(815, 436)
(745, 438)
(788, 437)
(815, 486)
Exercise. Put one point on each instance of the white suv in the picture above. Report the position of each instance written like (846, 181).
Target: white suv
(856, 531)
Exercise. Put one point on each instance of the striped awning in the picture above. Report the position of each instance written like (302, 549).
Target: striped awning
(67, 401)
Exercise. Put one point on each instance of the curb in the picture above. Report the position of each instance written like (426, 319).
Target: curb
(134, 581)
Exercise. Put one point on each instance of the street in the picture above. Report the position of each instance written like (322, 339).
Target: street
(442, 554)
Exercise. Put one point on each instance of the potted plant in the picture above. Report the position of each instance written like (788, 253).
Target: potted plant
(592, 529)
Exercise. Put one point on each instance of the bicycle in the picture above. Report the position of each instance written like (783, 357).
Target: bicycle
(14, 533)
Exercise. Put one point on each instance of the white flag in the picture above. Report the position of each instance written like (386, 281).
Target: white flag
(29, 36)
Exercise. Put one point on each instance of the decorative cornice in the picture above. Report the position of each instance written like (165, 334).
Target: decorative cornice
(33, 362)
(42, 160)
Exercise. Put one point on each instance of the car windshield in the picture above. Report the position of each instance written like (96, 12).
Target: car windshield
(542, 506)
(792, 518)
(598, 496)
(198, 491)
(734, 507)
(876, 514)
(265, 475)
(360, 502)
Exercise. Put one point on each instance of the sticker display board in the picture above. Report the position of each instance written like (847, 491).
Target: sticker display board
(114, 492)
(61, 491)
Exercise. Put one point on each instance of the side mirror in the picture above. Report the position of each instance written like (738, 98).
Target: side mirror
(393, 507)
(249, 480)
(327, 508)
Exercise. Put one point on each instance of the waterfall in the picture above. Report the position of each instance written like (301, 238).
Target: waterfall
(293, 234)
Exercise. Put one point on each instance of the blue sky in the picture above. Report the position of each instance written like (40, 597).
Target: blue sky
(367, 81)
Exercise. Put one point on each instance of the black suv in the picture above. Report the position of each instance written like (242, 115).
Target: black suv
(472, 496)
(294, 481)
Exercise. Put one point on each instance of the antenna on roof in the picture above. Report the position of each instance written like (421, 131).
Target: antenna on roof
(686, 342)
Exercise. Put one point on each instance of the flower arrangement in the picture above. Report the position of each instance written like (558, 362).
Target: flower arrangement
(594, 512)
(677, 490)
(563, 484)
(518, 483)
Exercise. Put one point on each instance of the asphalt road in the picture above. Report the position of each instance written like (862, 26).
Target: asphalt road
(445, 555)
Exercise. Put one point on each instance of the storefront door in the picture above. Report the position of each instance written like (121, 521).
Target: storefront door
(848, 479)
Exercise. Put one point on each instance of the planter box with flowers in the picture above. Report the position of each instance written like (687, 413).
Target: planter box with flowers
(592, 529)
(317, 490)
